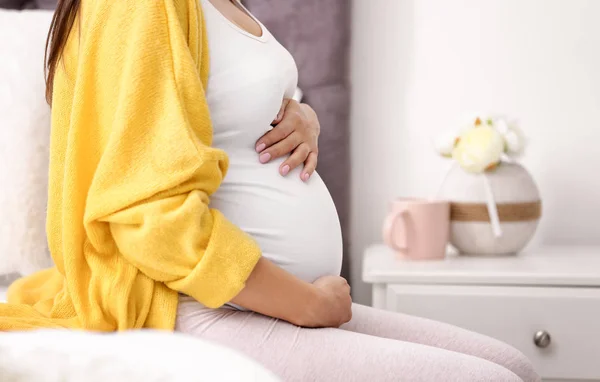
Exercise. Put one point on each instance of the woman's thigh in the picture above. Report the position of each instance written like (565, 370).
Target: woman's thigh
(300, 354)
(380, 323)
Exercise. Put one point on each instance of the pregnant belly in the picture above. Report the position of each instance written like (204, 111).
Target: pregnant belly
(295, 223)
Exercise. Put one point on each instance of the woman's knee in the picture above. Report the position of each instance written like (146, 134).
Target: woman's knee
(489, 371)
(515, 361)
(414, 362)
(498, 352)
(462, 367)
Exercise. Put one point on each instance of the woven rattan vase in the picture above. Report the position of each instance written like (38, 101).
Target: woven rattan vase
(518, 204)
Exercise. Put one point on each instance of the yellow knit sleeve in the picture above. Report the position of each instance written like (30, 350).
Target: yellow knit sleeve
(140, 108)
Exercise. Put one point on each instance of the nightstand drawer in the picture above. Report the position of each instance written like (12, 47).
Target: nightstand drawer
(571, 316)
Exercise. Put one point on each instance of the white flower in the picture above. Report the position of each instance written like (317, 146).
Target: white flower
(501, 125)
(444, 143)
(479, 148)
(513, 136)
(515, 140)
(482, 142)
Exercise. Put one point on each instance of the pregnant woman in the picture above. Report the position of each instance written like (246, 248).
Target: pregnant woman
(165, 212)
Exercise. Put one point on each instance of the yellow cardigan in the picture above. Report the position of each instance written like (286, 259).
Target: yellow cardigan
(131, 172)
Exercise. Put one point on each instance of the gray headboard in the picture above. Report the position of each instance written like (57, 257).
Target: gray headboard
(24, 4)
(317, 33)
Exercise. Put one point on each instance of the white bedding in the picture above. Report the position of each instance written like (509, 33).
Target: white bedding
(142, 356)
(24, 141)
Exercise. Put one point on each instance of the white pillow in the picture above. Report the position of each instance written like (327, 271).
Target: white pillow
(24, 141)
(146, 356)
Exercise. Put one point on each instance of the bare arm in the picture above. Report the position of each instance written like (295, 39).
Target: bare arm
(274, 292)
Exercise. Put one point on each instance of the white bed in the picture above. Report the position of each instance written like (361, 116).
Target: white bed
(142, 356)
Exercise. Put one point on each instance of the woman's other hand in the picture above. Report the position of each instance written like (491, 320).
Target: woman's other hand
(296, 131)
(274, 292)
(333, 305)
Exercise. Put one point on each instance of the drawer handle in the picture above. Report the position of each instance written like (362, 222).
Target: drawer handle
(542, 339)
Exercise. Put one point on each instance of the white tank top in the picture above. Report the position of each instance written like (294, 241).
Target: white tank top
(295, 223)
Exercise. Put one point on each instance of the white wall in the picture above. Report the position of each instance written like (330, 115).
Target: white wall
(420, 64)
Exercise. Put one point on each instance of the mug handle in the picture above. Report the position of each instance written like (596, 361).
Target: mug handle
(389, 227)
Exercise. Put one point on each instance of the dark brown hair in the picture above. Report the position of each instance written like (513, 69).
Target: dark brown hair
(61, 26)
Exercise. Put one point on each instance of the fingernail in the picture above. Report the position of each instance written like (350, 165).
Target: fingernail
(260, 147)
(285, 169)
(264, 158)
(305, 176)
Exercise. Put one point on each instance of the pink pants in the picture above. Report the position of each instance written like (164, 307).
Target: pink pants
(375, 346)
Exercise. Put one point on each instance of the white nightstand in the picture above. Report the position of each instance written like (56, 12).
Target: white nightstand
(553, 292)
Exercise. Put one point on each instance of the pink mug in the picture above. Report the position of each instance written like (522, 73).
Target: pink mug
(418, 228)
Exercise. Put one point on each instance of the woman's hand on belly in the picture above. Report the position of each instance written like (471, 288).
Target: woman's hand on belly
(296, 132)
